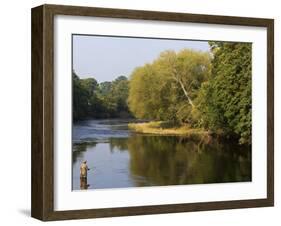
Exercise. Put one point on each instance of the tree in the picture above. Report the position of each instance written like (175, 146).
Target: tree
(165, 89)
(225, 100)
(188, 69)
(90, 85)
(120, 92)
(104, 100)
(113, 96)
(80, 99)
(104, 88)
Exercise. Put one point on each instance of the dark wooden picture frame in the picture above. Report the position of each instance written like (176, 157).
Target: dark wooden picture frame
(42, 203)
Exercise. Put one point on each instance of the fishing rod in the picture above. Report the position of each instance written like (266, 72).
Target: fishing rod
(93, 168)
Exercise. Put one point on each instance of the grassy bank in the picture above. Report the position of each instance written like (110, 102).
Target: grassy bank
(168, 128)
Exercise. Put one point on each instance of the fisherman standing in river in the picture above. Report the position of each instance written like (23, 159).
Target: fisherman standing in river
(83, 175)
(84, 169)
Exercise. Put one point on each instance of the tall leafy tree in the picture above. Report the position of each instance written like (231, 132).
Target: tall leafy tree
(225, 100)
(80, 99)
(120, 92)
(166, 89)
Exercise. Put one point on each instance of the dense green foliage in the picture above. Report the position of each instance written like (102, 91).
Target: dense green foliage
(225, 102)
(104, 100)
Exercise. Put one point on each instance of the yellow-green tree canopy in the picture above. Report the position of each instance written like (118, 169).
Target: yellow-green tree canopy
(166, 88)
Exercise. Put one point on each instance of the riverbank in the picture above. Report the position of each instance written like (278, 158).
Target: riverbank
(167, 128)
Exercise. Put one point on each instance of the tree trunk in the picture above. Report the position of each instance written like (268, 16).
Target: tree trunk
(183, 89)
(174, 74)
(185, 93)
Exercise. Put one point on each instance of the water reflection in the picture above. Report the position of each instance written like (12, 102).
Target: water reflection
(140, 160)
(83, 183)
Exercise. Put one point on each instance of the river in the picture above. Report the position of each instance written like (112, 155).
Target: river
(120, 158)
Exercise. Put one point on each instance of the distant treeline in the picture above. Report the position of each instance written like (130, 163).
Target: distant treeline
(104, 100)
(202, 89)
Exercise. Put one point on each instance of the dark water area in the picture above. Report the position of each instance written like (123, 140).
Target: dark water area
(120, 158)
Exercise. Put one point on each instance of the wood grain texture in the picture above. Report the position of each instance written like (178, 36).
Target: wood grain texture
(37, 114)
(270, 111)
(43, 107)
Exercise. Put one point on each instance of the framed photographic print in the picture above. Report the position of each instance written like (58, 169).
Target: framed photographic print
(141, 112)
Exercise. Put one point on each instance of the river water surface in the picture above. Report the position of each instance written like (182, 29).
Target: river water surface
(119, 158)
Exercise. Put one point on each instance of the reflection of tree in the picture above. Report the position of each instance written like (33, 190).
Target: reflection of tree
(159, 160)
(120, 143)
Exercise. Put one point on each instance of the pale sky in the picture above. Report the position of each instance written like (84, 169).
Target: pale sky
(106, 58)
